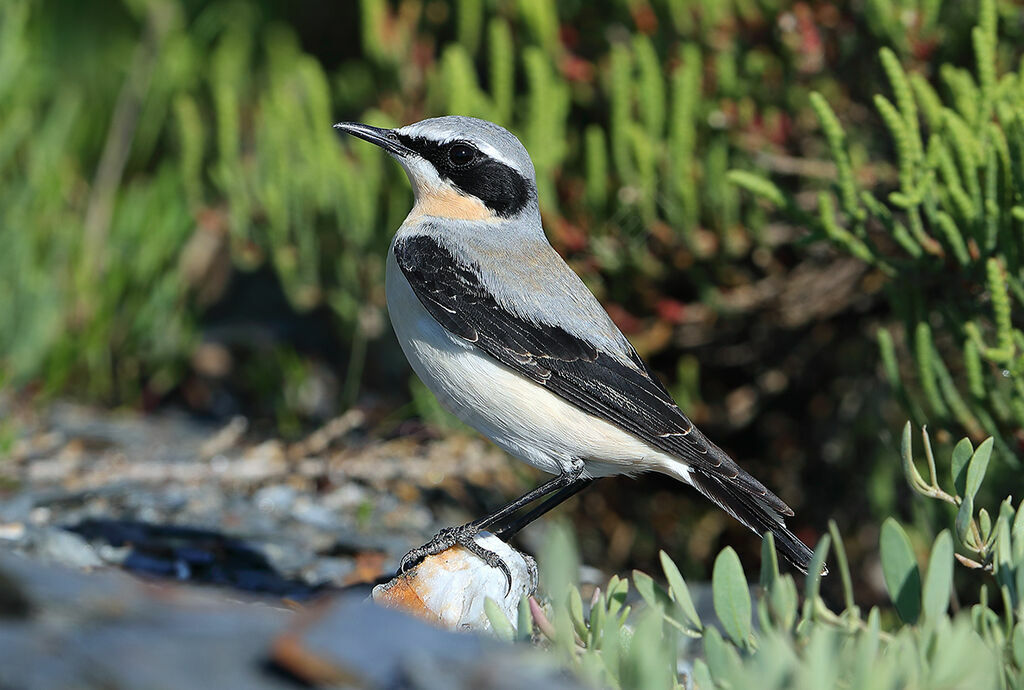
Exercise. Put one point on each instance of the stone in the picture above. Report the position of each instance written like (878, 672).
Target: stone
(451, 587)
(348, 642)
(61, 628)
(56, 545)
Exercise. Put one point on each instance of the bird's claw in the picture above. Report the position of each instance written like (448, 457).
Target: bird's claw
(464, 536)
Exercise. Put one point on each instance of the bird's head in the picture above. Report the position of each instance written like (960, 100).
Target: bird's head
(460, 167)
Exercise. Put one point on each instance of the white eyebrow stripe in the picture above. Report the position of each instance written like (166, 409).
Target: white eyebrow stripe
(444, 136)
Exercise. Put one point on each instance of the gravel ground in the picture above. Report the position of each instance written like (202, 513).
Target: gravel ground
(168, 496)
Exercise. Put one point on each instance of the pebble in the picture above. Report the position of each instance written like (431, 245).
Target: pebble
(114, 555)
(12, 531)
(334, 571)
(275, 499)
(305, 510)
(59, 546)
(345, 497)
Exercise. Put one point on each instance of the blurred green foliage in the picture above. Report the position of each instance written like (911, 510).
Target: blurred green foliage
(945, 234)
(127, 132)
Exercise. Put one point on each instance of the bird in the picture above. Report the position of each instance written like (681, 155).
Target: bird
(512, 342)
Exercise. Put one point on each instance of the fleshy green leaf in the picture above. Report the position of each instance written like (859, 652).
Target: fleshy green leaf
(963, 521)
(679, 591)
(769, 561)
(500, 623)
(902, 577)
(976, 469)
(617, 591)
(597, 618)
(813, 582)
(938, 583)
(722, 659)
(524, 629)
(1017, 644)
(866, 651)
(984, 524)
(1003, 555)
(731, 596)
(914, 477)
(783, 600)
(843, 565)
(576, 612)
(961, 455)
(702, 675)
(651, 591)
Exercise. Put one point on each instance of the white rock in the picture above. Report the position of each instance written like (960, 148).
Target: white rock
(451, 587)
(12, 531)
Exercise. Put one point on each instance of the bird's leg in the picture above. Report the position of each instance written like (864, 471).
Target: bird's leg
(551, 486)
(465, 535)
(511, 528)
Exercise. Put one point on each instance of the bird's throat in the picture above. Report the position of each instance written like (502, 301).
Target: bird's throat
(446, 202)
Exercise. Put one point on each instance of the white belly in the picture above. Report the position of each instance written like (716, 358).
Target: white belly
(521, 417)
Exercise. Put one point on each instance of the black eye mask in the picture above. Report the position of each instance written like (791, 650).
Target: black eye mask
(501, 188)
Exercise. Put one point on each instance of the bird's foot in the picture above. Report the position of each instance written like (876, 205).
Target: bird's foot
(464, 536)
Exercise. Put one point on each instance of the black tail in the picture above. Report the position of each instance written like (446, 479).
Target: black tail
(757, 514)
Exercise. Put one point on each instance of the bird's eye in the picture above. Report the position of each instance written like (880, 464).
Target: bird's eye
(461, 155)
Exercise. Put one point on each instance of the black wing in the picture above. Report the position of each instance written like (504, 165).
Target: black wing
(624, 393)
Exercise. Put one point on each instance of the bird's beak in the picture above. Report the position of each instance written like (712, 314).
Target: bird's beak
(384, 138)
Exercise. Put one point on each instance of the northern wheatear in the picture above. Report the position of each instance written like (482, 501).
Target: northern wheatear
(512, 342)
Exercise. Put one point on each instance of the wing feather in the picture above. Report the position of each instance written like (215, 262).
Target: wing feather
(622, 391)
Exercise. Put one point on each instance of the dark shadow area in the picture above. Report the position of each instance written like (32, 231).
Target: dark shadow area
(194, 555)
